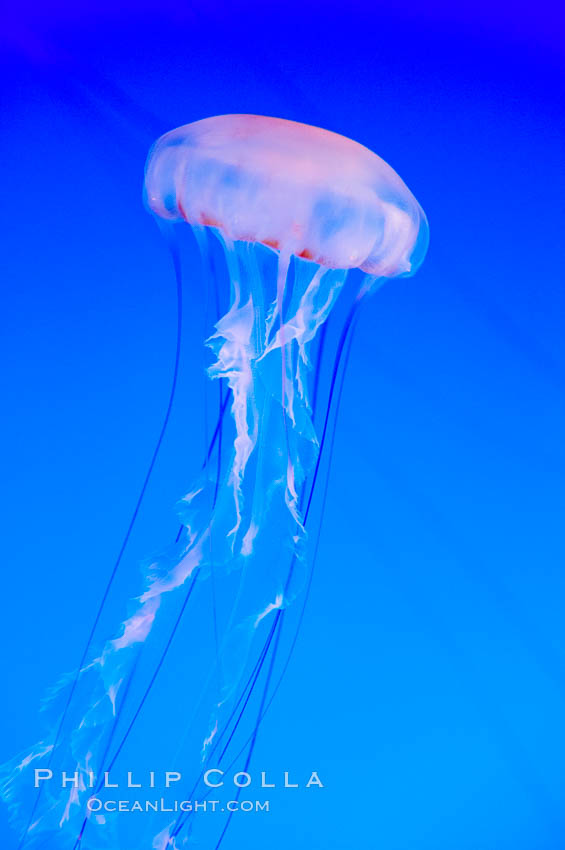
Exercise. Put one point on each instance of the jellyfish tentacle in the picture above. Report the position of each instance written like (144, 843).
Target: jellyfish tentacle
(140, 623)
(136, 633)
(203, 237)
(316, 294)
(108, 767)
(123, 546)
(318, 534)
(343, 351)
(254, 736)
(155, 673)
(243, 701)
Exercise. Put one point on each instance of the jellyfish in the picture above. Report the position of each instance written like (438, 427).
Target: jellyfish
(287, 218)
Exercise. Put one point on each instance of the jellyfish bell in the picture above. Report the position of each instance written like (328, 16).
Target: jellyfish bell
(296, 188)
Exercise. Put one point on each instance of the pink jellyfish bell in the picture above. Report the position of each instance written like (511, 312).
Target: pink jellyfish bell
(297, 188)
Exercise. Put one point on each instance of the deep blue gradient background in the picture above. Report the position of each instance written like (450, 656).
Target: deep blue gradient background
(428, 684)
